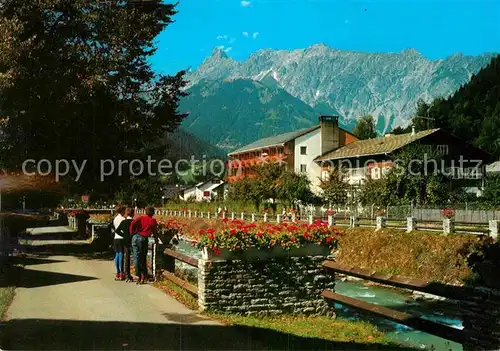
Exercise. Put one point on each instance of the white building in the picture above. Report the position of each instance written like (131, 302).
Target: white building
(295, 150)
(209, 190)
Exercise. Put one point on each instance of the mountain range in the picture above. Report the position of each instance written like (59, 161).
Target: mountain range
(232, 103)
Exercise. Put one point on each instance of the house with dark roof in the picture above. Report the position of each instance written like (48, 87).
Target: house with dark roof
(208, 190)
(296, 150)
(372, 158)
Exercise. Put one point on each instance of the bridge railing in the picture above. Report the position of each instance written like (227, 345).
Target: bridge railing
(170, 256)
(480, 308)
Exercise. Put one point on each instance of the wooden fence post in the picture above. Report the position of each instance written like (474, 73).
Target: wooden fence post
(265, 217)
(242, 216)
(494, 227)
(253, 217)
(294, 218)
(232, 216)
(448, 225)
(411, 224)
(310, 219)
(353, 221)
(331, 221)
(278, 218)
(381, 222)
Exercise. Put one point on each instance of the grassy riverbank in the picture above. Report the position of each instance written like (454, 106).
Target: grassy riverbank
(424, 255)
(8, 278)
(354, 333)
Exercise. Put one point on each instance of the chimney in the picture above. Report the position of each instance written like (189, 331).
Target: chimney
(330, 133)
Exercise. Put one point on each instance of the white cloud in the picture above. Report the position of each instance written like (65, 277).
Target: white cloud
(255, 35)
(245, 3)
(228, 49)
(222, 37)
(245, 34)
(221, 47)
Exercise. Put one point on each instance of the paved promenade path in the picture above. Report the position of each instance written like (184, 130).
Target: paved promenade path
(67, 299)
(68, 302)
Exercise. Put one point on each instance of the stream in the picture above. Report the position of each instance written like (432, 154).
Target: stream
(393, 298)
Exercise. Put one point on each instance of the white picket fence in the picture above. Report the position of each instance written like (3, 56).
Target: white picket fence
(445, 225)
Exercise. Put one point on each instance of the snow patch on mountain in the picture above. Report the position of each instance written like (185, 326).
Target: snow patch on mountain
(385, 85)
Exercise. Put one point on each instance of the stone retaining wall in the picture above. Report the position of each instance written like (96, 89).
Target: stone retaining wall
(275, 286)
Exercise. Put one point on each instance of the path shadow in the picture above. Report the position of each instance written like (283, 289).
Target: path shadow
(33, 279)
(185, 318)
(32, 261)
(20, 276)
(33, 334)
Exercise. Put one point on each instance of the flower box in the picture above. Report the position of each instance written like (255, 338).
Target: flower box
(255, 254)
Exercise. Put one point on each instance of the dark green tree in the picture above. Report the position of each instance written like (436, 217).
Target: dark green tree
(473, 111)
(491, 193)
(365, 128)
(334, 189)
(292, 187)
(76, 83)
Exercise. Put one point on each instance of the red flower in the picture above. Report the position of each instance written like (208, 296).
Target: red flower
(233, 231)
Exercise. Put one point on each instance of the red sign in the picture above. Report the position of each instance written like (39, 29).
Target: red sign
(85, 198)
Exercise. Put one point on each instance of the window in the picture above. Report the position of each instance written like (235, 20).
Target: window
(442, 149)
(206, 193)
(325, 175)
(216, 181)
(376, 173)
(303, 168)
(303, 150)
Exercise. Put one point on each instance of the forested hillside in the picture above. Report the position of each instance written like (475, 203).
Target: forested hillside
(472, 112)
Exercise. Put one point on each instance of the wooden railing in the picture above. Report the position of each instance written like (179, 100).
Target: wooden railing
(169, 272)
(438, 289)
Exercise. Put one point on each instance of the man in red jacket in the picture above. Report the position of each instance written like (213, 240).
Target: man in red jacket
(141, 229)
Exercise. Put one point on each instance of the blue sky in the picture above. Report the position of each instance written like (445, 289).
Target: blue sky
(436, 28)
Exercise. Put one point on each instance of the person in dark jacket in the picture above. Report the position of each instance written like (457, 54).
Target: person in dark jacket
(124, 231)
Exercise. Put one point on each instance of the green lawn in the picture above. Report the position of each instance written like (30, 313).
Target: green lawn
(8, 276)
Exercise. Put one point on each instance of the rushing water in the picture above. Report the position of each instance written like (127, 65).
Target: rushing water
(378, 295)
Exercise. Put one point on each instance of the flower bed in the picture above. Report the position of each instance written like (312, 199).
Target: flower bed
(100, 218)
(218, 237)
(78, 213)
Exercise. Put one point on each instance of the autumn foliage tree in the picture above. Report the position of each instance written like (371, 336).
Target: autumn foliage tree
(76, 83)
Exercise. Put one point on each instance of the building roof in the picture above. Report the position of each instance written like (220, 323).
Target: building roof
(277, 140)
(172, 190)
(493, 167)
(375, 146)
